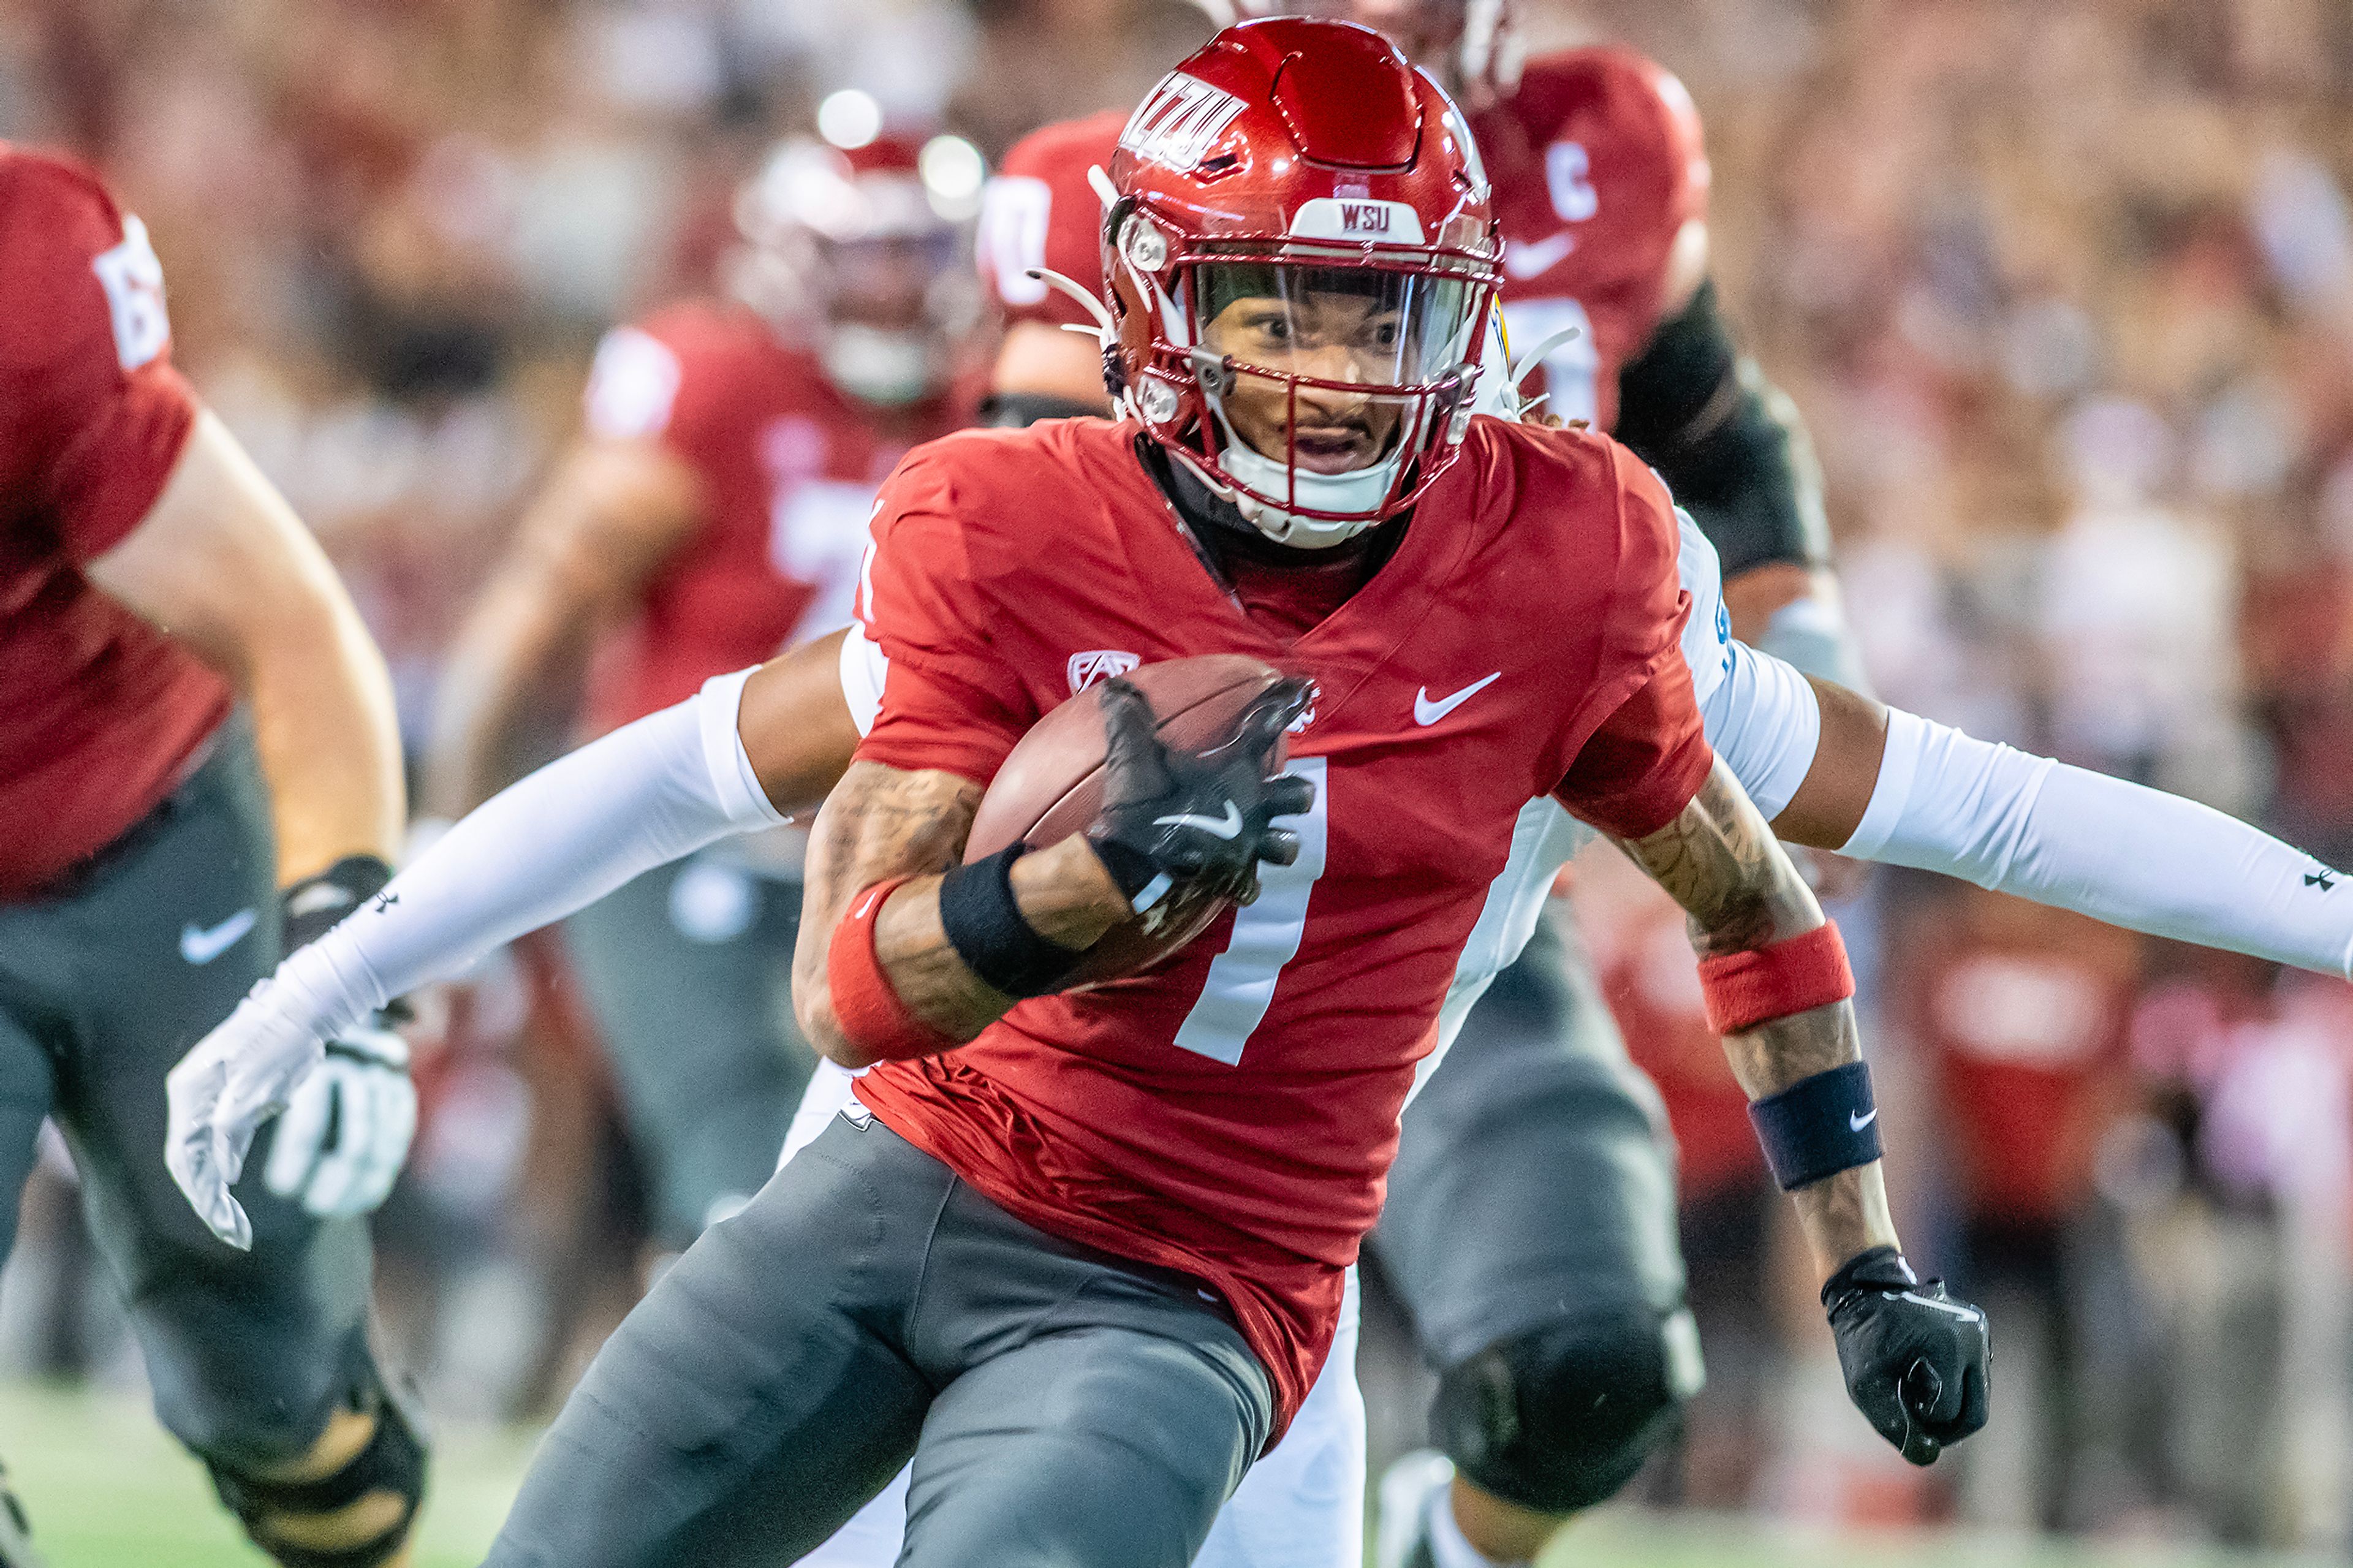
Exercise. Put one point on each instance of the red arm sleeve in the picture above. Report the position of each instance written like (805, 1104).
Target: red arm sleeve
(1042, 211)
(1647, 760)
(950, 700)
(85, 355)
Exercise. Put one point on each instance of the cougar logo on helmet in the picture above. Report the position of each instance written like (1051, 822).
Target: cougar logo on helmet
(1180, 122)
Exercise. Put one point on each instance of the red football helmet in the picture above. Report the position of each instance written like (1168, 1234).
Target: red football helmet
(867, 249)
(1299, 261)
(1472, 40)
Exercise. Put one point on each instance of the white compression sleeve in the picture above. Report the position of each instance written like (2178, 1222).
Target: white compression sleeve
(2083, 841)
(550, 844)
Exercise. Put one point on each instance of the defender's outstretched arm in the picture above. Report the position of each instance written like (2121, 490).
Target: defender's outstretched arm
(1890, 786)
(550, 844)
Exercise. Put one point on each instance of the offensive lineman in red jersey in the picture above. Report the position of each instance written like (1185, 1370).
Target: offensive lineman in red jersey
(715, 514)
(1006, 1277)
(1557, 1326)
(182, 673)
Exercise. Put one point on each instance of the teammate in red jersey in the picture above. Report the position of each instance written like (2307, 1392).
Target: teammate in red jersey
(1087, 1256)
(183, 675)
(715, 513)
(1541, 1311)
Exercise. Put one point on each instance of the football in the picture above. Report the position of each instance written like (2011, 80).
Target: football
(1051, 786)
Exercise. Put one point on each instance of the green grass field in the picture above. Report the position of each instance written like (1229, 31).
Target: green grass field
(107, 1490)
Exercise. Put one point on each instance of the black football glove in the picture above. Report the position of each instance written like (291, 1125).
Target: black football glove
(1917, 1360)
(1173, 819)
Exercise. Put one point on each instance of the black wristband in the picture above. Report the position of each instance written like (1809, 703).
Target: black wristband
(1818, 1126)
(986, 929)
(313, 907)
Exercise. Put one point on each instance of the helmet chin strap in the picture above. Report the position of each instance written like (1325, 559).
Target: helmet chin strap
(1242, 468)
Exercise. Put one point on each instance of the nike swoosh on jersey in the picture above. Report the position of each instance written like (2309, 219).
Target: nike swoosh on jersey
(1426, 713)
(1524, 261)
(200, 945)
(1857, 1123)
(1229, 826)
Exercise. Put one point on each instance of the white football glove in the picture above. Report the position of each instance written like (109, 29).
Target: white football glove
(237, 1077)
(345, 1132)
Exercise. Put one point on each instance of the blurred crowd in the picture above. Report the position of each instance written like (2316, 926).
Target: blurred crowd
(2064, 290)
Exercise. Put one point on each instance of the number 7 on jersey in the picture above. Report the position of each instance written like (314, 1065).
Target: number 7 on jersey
(1266, 935)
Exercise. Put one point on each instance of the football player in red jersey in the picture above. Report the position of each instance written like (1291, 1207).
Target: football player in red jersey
(1086, 1254)
(714, 513)
(1831, 769)
(198, 772)
(1537, 1311)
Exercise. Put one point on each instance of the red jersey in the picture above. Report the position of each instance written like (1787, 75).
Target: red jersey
(1232, 1113)
(1642, 960)
(787, 464)
(2025, 1011)
(1597, 163)
(100, 712)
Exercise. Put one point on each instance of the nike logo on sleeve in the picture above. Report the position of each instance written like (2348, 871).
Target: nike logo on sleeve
(1426, 713)
(1857, 1123)
(200, 945)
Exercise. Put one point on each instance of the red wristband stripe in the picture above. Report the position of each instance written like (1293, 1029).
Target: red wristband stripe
(1746, 989)
(869, 1011)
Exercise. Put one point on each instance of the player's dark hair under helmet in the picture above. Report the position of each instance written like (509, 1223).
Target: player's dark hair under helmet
(1305, 173)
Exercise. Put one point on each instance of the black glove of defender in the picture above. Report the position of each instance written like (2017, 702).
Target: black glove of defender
(1917, 1360)
(1174, 817)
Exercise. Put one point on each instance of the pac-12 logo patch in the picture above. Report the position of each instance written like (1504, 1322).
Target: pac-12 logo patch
(1099, 664)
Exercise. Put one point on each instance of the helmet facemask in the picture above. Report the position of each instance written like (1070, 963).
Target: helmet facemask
(869, 265)
(892, 309)
(1324, 387)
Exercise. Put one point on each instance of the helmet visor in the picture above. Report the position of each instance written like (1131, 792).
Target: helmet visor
(1345, 326)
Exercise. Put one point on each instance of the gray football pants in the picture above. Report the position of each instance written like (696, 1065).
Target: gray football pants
(1063, 1408)
(687, 970)
(104, 984)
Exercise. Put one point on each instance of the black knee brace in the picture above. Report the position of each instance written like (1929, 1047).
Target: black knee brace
(393, 1461)
(1558, 1419)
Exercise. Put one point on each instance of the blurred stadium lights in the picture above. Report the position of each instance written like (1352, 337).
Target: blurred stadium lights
(954, 172)
(849, 118)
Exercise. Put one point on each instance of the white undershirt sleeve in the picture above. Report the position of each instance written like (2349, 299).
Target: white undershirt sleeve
(2083, 841)
(548, 845)
(1760, 715)
(1765, 721)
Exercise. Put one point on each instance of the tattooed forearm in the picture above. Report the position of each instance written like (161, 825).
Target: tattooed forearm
(1719, 861)
(877, 823)
(881, 823)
